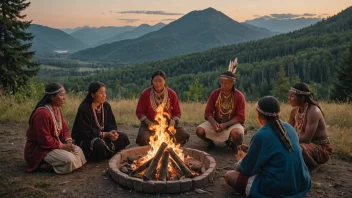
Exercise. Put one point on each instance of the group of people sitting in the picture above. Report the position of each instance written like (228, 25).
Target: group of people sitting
(277, 160)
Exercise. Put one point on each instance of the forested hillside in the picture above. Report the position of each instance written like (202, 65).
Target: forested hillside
(312, 54)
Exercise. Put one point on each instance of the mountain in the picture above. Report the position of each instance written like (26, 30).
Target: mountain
(282, 25)
(92, 35)
(261, 29)
(71, 30)
(194, 32)
(308, 55)
(48, 40)
(135, 33)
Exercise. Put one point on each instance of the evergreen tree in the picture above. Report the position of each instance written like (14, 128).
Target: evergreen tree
(342, 86)
(280, 87)
(15, 58)
(195, 90)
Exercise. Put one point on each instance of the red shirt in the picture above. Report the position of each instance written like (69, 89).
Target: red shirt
(238, 113)
(41, 137)
(145, 109)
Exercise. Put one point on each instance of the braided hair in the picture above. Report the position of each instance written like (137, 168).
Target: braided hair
(269, 108)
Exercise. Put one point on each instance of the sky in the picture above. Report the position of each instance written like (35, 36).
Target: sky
(96, 13)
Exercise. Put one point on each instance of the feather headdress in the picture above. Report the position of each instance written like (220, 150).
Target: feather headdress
(233, 66)
(230, 74)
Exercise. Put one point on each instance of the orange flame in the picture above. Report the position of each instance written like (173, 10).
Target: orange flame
(162, 133)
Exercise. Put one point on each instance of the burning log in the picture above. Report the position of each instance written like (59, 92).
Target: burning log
(141, 168)
(150, 172)
(187, 172)
(164, 165)
(130, 160)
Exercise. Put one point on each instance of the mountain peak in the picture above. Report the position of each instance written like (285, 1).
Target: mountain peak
(210, 9)
(143, 25)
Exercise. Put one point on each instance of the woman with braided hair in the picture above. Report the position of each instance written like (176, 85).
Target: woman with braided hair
(273, 165)
(308, 120)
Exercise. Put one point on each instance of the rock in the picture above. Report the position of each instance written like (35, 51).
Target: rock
(194, 164)
(124, 170)
(200, 191)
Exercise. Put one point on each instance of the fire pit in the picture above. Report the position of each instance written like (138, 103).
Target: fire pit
(162, 167)
(152, 186)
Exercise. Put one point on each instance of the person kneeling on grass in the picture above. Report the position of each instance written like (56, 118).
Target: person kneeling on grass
(49, 144)
(273, 165)
(308, 120)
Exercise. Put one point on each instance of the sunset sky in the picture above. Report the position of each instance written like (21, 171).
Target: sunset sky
(96, 13)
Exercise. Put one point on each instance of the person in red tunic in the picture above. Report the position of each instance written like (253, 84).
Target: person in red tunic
(49, 144)
(225, 113)
(149, 101)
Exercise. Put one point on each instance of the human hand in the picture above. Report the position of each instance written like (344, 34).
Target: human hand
(149, 123)
(113, 135)
(67, 147)
(216, 127)
(243, 148)
(222, 126)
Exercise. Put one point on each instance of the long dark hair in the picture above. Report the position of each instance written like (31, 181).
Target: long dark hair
(307, 98)
(229, 74)
(269, 108)
(50, 90)
(158, 73)
(92, 88)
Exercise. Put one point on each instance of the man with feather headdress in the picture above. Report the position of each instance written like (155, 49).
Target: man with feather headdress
(224, 113)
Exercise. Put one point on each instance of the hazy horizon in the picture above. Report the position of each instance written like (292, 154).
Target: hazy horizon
(78, 13)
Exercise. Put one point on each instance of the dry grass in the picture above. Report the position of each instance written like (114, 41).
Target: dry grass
(338, 116)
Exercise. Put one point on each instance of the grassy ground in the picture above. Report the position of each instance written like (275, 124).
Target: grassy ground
(338, 116)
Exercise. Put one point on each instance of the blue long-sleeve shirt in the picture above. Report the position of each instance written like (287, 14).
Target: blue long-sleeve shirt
(280, 173)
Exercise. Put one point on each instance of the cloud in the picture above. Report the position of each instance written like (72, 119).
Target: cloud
(285, 16)
(151, 12)
(309, 14)
(168, 19)
(128, 20)
(256, 15)
(325, 14)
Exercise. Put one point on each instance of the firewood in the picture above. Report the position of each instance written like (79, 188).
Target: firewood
(150, 172)
(130, 160)
(185, 170)
(141, 168)
(163, 168)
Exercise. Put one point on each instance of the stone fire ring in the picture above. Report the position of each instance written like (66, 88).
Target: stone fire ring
(160, 187)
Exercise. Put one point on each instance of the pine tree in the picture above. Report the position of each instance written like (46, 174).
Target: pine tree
(280, 87)
(342, 86)
(15, 58)
(195, 90)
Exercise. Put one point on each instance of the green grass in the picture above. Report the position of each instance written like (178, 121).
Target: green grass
(338, 116)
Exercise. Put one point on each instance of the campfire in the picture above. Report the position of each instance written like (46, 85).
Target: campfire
(165, 160)
(162, 166)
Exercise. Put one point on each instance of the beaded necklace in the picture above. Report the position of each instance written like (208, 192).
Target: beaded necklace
(157, 99)
(300, 119)
(226, 104)
(56, 116)
(101, 127)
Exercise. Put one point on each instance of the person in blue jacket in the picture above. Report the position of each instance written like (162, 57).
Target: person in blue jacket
(273, 165)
